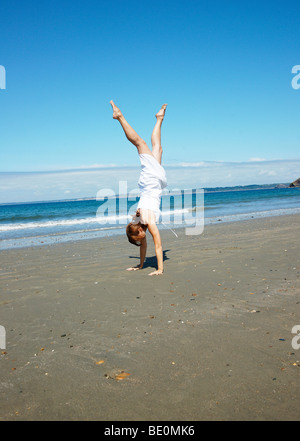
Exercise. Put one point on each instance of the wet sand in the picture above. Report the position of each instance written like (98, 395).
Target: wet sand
(209, 340)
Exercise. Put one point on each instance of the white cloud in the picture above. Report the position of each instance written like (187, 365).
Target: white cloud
(97, 166)
(22, 187)
(256, 159)
(192, 164)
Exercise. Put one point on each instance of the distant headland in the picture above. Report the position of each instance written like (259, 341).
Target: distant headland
(295, 183)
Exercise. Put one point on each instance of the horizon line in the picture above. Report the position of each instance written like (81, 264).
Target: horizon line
(217, 189)
(179, 164)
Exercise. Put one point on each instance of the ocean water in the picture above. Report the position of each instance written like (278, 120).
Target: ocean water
(41, 223)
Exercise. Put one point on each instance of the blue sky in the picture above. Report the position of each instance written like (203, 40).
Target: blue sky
(224, 68)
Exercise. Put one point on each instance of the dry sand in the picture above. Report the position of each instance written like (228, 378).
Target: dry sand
(208, 340)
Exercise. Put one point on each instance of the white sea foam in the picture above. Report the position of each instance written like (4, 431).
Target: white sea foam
(91, 233)
(56, 223)
(102, 220)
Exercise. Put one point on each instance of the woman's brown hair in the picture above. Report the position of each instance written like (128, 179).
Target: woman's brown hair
(132, 230)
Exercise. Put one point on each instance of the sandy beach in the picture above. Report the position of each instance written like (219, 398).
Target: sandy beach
(209, 340)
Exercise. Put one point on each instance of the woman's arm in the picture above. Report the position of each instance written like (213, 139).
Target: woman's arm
(143, 249)
(152, 227)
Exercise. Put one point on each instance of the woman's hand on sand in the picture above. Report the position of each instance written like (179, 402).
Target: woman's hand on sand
(133, 268)
(156, 273)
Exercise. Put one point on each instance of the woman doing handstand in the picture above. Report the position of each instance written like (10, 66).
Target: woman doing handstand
(151, 183)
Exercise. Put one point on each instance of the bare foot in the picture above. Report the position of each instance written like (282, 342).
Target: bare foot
(117, 112)
(161, 112)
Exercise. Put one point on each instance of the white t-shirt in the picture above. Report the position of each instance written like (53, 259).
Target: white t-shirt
(151, 183)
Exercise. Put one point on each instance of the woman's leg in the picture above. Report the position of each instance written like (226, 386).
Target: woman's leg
(156, 134)
(130, 133)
